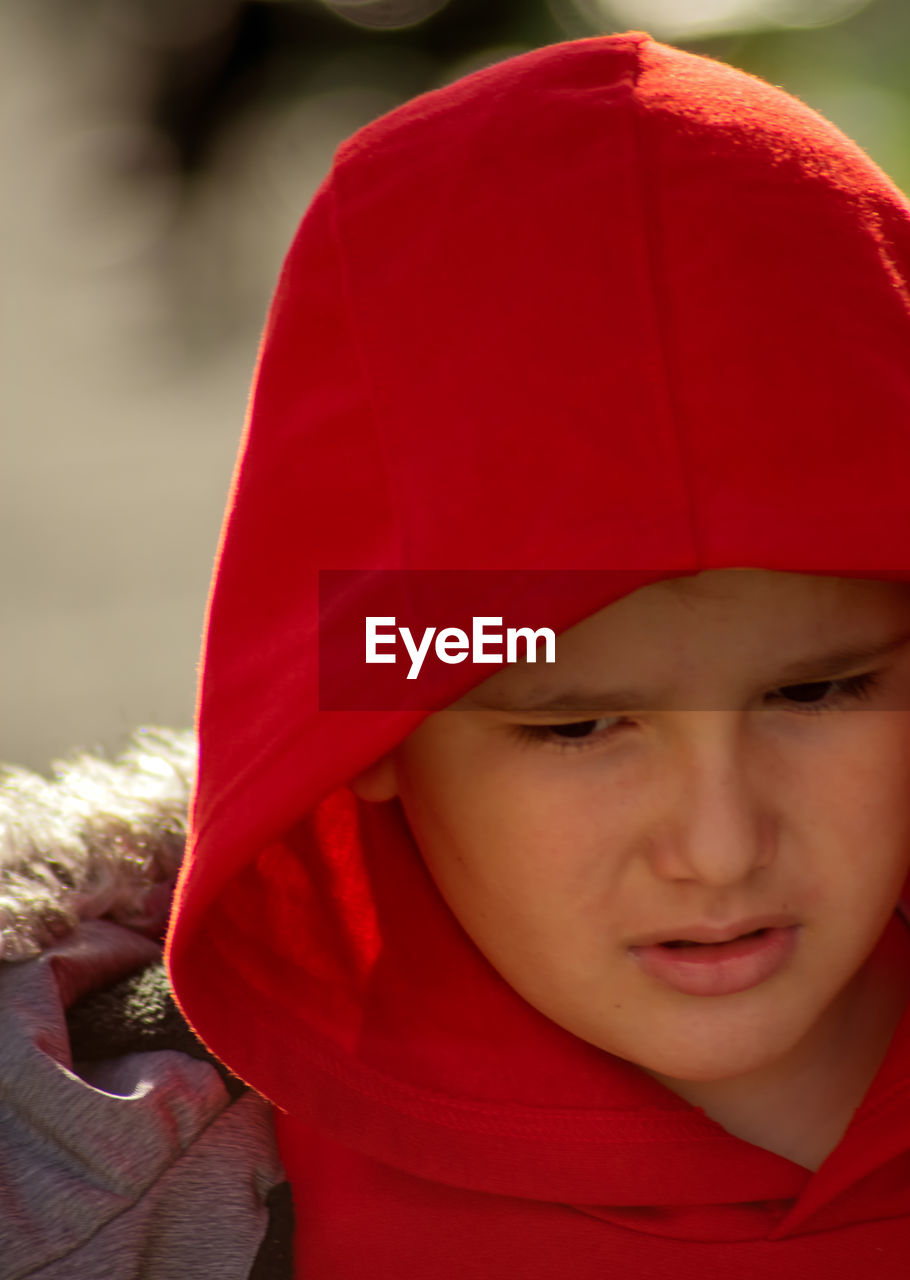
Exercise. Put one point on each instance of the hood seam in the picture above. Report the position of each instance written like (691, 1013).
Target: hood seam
(393, 496)
(653, 264)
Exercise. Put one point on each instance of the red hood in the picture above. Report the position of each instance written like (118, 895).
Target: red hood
(607, 304)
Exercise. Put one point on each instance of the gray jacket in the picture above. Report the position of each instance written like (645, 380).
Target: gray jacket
(126, 1151)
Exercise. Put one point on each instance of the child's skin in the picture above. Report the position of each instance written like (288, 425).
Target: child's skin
(714, 796)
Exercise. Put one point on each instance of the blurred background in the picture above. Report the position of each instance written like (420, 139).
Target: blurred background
(158, 155)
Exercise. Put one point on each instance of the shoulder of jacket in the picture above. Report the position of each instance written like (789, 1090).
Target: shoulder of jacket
(102, 840)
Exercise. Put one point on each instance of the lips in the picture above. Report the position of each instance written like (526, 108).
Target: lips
(720, 967)
(689, 942)
(705, 932)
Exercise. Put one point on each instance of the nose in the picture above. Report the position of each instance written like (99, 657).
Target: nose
(718, 830)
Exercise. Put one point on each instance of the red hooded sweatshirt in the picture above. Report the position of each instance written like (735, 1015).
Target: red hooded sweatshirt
(605, 307)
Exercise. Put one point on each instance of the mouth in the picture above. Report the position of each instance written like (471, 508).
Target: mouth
(702, 931)
(690, 942)
(735, 963)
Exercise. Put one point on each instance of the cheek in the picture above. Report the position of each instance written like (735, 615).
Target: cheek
(859, 797)
(512, 852)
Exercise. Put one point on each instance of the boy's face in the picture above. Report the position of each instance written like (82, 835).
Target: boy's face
(749, 778)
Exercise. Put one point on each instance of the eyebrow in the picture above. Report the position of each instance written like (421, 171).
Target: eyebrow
(571, 701)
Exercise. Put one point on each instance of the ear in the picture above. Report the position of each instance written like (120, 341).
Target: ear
(378, 782)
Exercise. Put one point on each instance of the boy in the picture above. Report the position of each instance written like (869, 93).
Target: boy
(592, 967)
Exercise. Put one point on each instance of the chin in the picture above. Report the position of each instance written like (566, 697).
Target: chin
(723, 1054)
(712, 1069)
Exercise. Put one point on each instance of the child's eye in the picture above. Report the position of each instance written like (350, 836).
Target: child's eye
(574, 733)
(582, 728)
(811, 697)
(823, 695)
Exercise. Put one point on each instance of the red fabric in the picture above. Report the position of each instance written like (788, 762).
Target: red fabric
(607, 305)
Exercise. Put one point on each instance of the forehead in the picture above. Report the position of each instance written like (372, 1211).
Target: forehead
(684, 635)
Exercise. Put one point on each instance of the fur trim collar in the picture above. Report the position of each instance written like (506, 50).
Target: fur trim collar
(100, 838)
